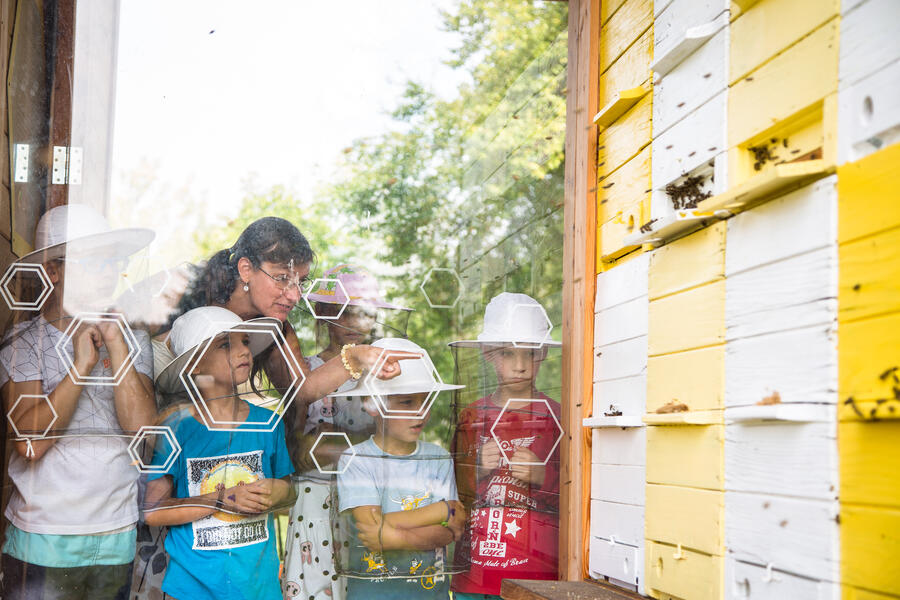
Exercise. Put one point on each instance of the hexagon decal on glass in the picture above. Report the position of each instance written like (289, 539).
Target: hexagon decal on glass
(25, 434)
(435, 279)
(297, 380)
(332, 434)
(68, 359)
(527, 440)
(159, 430)
(524, 313)
(9, 295)
(327, 287)
(377, 388)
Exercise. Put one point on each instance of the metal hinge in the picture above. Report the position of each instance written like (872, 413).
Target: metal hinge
(21, 163)
(67, 163)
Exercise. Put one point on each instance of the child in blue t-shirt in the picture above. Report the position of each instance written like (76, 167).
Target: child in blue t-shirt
(215, 495)
(399, 492)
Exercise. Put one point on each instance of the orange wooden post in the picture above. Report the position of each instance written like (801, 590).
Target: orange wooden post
(578, 280)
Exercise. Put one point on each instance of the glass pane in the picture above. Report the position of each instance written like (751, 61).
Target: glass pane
(293, 310)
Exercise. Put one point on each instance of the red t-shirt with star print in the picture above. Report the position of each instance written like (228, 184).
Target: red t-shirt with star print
(513, 527)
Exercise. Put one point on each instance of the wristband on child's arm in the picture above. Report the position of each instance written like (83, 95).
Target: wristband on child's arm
(445, 522)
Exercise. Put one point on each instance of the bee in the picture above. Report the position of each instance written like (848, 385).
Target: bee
(761, 155)
(688, 193)
(887, 373)
(646, 227)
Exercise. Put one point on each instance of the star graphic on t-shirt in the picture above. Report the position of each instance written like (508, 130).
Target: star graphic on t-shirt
(512, 528)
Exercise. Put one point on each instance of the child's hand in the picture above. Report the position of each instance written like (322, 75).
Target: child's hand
(271, 491)
(248, 498)
(112, 338)
(86, 344)
(490, 456)
(533, 473)
(457, 521)
(371, 528)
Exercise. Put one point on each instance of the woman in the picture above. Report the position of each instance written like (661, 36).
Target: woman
(261, 276)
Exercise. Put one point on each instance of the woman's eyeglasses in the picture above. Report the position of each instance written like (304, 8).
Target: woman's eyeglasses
(285, 281)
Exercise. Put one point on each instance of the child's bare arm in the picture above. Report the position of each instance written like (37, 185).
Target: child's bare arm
(33, 415)
(133, 396)
(378, 535)
(162, 509)
(432, 514)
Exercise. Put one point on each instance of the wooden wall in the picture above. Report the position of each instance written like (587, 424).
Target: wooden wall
(7, 16)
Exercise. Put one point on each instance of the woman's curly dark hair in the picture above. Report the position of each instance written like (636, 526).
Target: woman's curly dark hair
(269, 239)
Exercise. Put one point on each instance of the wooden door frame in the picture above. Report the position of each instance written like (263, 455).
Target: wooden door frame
(579, 280)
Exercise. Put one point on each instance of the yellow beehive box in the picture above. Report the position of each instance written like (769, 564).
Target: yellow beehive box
(689, 455)
(687, 320)
(870, 547)
(868, 469)
(770, 26)
(631, 70)
(691, 517)
(625, 137)
(621, 197)
(867, 195)
(673, 573)
(689, 262)
(626, 186)
(852, 593)
(870, 276)
(868, 360)
(620, 31)
(771, 122)
(611, 234)
(666, 381)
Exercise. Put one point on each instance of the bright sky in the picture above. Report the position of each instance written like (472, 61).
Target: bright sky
(219, 91)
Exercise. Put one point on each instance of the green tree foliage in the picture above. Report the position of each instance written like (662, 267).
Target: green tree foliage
(317, 220)
(472, 183)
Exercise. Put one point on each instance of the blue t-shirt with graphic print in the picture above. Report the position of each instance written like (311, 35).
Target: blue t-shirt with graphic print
(222, 556)
(370, 477)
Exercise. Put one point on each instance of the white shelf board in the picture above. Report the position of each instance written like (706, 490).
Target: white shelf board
(793, 412)
(620, 421)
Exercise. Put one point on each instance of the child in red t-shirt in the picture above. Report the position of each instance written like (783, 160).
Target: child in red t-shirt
(507, 457)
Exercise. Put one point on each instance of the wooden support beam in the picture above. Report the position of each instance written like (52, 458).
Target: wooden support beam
(525, 589)
(63, 68)
(579, 253)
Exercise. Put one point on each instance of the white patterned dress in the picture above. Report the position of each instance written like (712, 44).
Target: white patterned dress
(309, 565)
